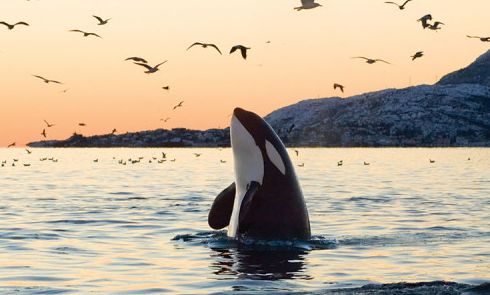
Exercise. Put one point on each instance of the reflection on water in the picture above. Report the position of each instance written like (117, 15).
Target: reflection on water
(258, 265)
(77, 226)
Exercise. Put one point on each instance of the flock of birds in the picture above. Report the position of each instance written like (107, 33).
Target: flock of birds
(425, 20)
(153, 159)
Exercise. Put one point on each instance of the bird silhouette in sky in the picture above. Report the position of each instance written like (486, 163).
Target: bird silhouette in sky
(371, 60)
(48, 124)
(11, 27)
(137, 59)
(85, 34)
(401, 7)
(166, 87)
(243, 50)
(165, 120)
(114, 131)
(307, 4)
(101, 20)
(47, 81)
(341, 87)
(205, 45)
(149, 68)
(483, 39)
(178, 105)
(435, 26)
(82, 124)
(11, 145)
(44, 133)
(425, 20)
(417, 54)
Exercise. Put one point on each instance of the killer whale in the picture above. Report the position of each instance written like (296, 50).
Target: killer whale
(265, 201)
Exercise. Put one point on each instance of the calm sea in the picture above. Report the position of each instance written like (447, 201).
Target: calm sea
(82, 227)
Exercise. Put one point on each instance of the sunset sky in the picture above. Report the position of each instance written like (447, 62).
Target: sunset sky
(308, 51)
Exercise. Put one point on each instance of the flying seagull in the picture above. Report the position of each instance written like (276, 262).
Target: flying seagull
(114, 131)
(44, 133)
(483, 39)
(11, 27)
(341, 87)
(401, 7)
(204, 45)
(371, 60)
(425, 20)
(82, 124)
(166, 87)
(165, 120)
(101, 21)
(150, 68)
(179, 105)
(28, 151)
(137, 59)
(417, 54)
(47, 124)
(242, 49)
(435, 26)
(47, 80)
(11, 145)
(86, 34)
(307, 4)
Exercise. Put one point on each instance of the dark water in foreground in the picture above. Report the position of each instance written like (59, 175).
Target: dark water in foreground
(80, 227)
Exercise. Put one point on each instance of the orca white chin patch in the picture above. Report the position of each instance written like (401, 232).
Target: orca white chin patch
(275, 157)
(249, 166)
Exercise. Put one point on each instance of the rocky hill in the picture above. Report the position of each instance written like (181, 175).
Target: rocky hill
(453, 112)
(178, 137)
(476, 73)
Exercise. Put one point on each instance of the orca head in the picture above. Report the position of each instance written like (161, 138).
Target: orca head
(255, 146)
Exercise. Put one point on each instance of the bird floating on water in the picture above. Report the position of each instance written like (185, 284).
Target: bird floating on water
(401, 7)
(204, 45)
(149, 68)
(307, 4)
(483, 39)
(417, 54)
(341, 87)
(47, 81)
(101, 20)
(11, 27)
(85, 34)
(243, 50)
(371, 60)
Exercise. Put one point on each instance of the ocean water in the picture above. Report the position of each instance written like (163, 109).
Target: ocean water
(76, 226)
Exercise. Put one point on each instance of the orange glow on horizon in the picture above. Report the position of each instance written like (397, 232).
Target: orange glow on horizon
(308, 52)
